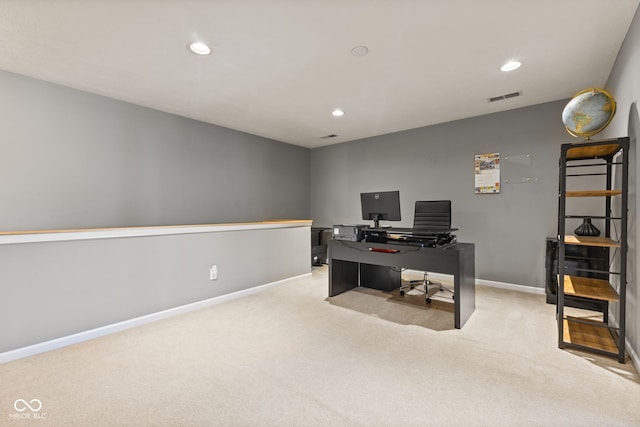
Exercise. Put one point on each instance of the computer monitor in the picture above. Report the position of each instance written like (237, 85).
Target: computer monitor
(380, 205)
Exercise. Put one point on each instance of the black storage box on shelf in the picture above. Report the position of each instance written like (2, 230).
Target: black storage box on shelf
(320, 237)
(587, 257)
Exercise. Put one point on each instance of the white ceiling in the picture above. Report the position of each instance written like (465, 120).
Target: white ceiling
(279, 67)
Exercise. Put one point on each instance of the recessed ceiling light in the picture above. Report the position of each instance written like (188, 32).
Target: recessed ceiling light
(337, 112)
(200, 48)
(359, 51)
(511, 65)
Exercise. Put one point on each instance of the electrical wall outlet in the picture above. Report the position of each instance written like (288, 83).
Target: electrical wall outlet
(213, 272)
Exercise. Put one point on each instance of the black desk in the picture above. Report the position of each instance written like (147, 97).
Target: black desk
(349, 262)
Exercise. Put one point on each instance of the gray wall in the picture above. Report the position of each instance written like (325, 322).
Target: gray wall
(54, 289)
(71, 159)
(437, 162)
(624, 85)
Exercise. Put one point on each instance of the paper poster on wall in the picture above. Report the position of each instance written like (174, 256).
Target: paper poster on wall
(487, 173)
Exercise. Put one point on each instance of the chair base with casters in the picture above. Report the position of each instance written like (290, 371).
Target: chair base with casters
(432, 218)
(430, 287)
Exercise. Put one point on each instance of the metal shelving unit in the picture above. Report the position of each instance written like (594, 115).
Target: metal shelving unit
(598, 158)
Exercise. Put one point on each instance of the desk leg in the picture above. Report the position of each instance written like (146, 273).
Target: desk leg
(343, 275)
(465, 289)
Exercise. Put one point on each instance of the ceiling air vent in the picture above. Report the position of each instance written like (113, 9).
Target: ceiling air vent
(507, 96)
(331, 135)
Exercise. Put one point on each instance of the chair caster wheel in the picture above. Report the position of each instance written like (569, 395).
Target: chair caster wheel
(428, 300)
(401, 293)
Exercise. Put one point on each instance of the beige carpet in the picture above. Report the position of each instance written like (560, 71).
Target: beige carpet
(289, 357)
(411, 308)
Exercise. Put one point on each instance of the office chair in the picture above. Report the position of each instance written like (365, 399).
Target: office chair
(432, 218)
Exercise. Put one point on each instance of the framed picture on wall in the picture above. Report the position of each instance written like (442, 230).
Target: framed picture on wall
(487, 173)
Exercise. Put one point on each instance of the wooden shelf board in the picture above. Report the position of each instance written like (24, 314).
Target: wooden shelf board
(592, 151)
(594, 335)
(588, 287)
(593, 193)
(591, 241)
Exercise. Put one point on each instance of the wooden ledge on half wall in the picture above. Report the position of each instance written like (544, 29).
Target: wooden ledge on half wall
(29, 236)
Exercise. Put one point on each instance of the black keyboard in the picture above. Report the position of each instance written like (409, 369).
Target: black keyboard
(441, 240)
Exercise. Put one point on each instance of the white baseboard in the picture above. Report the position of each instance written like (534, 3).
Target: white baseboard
(632, 355)
(627, 345)
(490, 283)
(512, 287)
(34, 349)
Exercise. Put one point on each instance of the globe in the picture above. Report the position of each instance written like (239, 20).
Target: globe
(589, 112)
